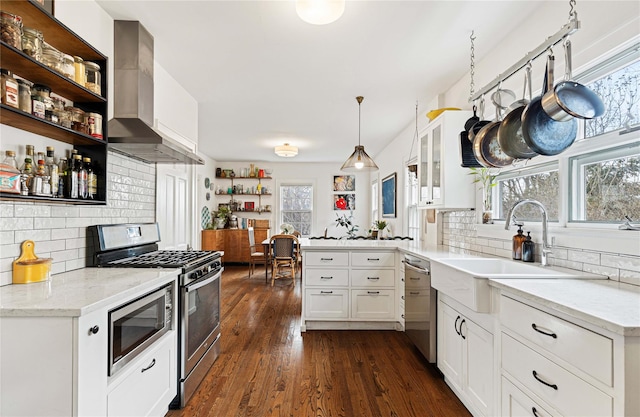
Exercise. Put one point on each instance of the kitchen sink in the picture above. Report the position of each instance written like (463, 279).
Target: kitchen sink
(466, 279)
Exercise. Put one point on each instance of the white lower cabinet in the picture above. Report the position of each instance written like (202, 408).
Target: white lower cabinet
(465, 357)
(148, 384)
(373, 304)
(516, 403)
(326, 303)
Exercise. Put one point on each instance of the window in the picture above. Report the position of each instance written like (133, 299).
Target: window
(597, 180)
(296, 207)
(411, 187)
(374, 201)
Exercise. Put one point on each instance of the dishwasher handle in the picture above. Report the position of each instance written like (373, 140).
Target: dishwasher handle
(416, 268)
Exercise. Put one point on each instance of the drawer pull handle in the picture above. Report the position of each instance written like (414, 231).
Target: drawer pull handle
(414, 292)
(373, 292)
(533, 325)
(535, 412)
(326, 277)
(554, 386)
(414, 278)
(373, 259)
(326, 259)
(326, 292)
(461, 323)
(402, 297)
(153, 362)
(455, 325)
(374, 278)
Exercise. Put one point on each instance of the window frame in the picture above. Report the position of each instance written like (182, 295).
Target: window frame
(289, 183)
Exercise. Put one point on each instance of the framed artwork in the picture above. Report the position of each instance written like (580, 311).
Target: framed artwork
(249, 205)
(46, 5)
(389, 196)
(344, 202)
(344, 183)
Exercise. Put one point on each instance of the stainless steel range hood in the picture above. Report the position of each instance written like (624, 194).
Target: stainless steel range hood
(131, 130)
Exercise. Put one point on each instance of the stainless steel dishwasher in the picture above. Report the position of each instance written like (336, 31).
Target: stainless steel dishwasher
(420, 301)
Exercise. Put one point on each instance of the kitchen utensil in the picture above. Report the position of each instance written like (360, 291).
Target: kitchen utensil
(541, 133)
(502, 98)
(472, 120)
(510, 131)
(569, 99)
(479, 124)
(466, 152)
(486, 147)
(435, 113)
(28, 267)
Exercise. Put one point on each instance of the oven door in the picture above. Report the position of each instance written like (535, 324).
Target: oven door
(200, 319)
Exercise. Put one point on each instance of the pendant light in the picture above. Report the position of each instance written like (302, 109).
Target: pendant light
(320, 12)
(359, 161)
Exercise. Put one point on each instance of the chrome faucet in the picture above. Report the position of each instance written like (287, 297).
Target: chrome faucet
(545, 245)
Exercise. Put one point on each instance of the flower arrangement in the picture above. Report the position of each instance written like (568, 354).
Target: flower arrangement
(347, 222)
(486, 178)
(377, 227)
(286, 228)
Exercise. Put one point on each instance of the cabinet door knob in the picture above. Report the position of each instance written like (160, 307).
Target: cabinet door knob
(93, 330)
(535, 412)
(455, 325)
(550, 334)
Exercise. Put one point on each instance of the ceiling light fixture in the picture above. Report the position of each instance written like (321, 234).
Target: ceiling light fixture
(359, 160)
(286, 151)
(320, 12)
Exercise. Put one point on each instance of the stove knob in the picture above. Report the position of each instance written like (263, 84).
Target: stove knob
(193, 275)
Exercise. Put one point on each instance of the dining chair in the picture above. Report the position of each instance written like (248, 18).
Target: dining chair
(298, 252)
(257, 254)
(283, 257)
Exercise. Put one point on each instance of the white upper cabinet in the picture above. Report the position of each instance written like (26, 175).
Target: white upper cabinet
(443, 182)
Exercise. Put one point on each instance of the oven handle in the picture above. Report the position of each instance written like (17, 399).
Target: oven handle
(199, 284)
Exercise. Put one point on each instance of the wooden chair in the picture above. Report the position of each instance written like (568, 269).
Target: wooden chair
(282, 250)
(257, 254)
(298, 252)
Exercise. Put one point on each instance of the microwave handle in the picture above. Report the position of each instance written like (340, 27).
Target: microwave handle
(199, 284)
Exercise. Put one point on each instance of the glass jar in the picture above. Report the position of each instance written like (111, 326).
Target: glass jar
(24, 95)
(94, 78)
(58, 109)
(81, 76)
(68, 67)
(8, 89)
(11, 29)
(51, 57)
(61, 112)
(42, 94)
(32, 40)
(75, 114)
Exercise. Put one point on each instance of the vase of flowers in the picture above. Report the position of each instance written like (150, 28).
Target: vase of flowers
(486, 179)
(287, 229)
(377, 229)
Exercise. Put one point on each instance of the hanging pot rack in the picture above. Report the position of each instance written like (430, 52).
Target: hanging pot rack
(569, 28)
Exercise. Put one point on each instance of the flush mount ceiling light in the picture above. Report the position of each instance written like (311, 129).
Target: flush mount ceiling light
(320, 12)
(286, 151)
(359, 160)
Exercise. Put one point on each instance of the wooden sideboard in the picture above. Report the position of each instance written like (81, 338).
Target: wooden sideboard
(234, 242)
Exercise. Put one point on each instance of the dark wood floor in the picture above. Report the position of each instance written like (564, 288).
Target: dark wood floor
(268, 368)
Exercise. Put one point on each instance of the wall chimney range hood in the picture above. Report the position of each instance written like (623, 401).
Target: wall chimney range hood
(131, 130)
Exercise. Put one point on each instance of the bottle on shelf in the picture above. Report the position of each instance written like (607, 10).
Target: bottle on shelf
(40, 185)
(10, 160)
(82, 179)
(26, 169)
(62, 177)
(54, 177)
(73, 170)
(92, 179)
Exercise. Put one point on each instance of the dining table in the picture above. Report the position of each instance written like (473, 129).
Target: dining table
(302, 241)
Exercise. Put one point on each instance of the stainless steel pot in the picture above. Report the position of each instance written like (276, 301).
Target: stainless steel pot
(510, 131)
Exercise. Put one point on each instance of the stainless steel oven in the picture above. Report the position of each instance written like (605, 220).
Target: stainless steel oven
(134, 326)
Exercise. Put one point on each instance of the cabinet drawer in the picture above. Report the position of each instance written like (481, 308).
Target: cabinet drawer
(586, 350)
(571, 396)
(373, 304)
(147, 385)
(312, 258)
(516, 403)
(327, 277)
(372, 278)
(326, 304)
(369, 259)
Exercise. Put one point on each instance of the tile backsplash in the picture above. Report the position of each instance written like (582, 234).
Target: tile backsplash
(459, 233)
(59, 230)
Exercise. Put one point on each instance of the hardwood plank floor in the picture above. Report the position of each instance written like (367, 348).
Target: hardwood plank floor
(268, 368)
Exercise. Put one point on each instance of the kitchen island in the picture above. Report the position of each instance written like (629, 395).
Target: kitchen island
(54, 346)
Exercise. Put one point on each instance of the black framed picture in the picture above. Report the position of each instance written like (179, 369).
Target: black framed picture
(46, 5)
(389, 196)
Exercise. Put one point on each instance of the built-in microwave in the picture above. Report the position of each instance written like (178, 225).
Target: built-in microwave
(135, 325)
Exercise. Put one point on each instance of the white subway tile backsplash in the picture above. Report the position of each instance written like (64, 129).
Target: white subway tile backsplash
(584, 256)
(65, 211)
(6, 237)
(37, 235)
(12, 223)
(5, 278)
(32, 210)
(630, 277)
(48, 223)
(622, 262)
(6, 210)
(66, 255)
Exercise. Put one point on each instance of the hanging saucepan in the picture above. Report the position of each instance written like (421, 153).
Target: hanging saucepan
(502, 98)
(540, 132)
(570, 99)
(479, 124)
(472, 120)
(486, 147)
(510, 132)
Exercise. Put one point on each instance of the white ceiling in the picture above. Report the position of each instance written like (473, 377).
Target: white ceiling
(263, 77)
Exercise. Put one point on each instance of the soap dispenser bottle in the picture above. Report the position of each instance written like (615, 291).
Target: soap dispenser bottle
(528, 249)
(518, 240)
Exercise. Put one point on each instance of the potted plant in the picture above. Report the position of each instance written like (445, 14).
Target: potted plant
(347, 222)
(377, 228)
(221, 216)
(486, 179)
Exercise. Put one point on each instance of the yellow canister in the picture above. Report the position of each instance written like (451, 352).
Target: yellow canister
(28, 267)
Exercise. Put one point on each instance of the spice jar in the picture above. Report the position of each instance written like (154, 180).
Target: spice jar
(51, 57)
(68, 66)
(64, 117)
(32, 40)
(77, 120)
(94, 124)
(11, 29)
(81, 76)
(94, 78)
(24, 95)
(8, 88)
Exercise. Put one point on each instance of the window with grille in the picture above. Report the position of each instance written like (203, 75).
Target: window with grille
(411, 193)
(296, 207)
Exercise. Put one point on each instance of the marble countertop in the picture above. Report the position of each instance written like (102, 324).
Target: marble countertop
(611, 305)
(81, 291)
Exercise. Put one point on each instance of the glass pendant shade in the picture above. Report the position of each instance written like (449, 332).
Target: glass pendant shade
(320, 12)
(286, 151)
(359, 161)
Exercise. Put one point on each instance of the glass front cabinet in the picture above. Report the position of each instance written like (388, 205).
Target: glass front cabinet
(440, 164)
